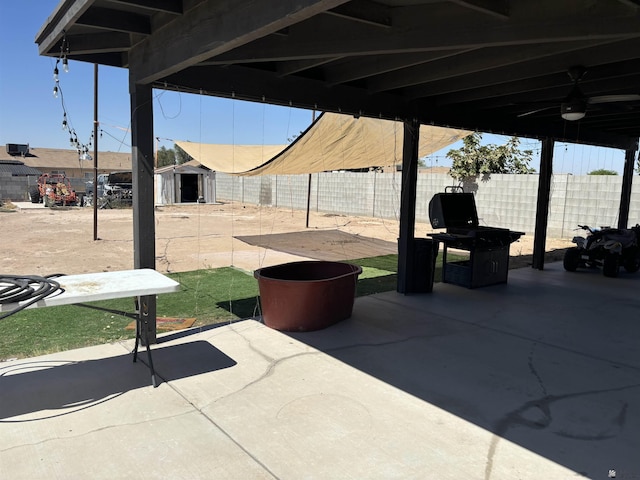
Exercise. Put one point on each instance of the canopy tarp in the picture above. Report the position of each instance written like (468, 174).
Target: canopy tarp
(230, 158)
(332, 142)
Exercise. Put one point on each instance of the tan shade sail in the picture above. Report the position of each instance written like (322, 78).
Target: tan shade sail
(230, 158)
(332, 142)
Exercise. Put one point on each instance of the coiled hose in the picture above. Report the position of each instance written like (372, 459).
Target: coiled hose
(25, 288)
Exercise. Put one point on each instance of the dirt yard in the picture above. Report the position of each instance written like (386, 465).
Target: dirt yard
(40, 241)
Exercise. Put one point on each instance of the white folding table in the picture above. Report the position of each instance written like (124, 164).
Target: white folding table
(91, 287)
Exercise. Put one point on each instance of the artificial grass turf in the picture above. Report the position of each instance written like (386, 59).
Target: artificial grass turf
(211, 296)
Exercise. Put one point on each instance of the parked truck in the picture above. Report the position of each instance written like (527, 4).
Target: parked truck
(114, 187)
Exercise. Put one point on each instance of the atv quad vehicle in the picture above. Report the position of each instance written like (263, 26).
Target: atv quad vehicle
(53, 189)
(608, 248)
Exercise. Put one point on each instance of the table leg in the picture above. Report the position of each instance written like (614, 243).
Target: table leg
(142, 324)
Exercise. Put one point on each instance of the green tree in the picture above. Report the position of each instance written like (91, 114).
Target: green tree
(602, 171)
(181, 155)
(474, 159)
(172, 156)
(166, 156)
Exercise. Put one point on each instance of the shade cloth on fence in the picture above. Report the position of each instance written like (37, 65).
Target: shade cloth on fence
(332, 142)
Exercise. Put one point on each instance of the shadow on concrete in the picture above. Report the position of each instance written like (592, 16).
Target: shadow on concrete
(47, 389)
(562, 381)
(242, 307)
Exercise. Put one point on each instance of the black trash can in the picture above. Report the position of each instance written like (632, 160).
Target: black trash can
(425, 254)
(421, 270)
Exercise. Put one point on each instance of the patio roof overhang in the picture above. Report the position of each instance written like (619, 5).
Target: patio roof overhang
(472, 64)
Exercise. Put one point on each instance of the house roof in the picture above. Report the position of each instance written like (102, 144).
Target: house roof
(60, 159)
(18, 169)
(498, 66)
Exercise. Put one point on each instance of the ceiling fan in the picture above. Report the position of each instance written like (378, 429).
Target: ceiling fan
(574, 106)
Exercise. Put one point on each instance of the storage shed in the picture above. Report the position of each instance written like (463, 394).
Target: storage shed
(186, 183)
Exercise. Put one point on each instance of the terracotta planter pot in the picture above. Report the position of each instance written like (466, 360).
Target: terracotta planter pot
(306, 296)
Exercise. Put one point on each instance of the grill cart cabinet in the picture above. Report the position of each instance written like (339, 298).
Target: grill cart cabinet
(484, 266)
(486, 248)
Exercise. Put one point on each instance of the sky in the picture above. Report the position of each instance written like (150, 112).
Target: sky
(30, 114)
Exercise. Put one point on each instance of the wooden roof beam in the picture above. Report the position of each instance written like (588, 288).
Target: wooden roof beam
(357, 69)
(631, 3)
(118, 21)
(167, 6)
(246, 83)
(214, 28)
(290, 68)
(599, 55)
(495, 8)
(66, 13)
(422, 30)
(98, 43)
(552, 87)
(364, 11)
(472, 62)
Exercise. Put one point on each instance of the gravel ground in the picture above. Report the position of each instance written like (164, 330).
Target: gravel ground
(40, 241)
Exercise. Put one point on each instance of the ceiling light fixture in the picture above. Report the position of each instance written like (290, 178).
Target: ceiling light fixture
(573, 110)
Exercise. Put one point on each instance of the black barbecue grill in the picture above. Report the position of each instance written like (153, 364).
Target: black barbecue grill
(488, 247)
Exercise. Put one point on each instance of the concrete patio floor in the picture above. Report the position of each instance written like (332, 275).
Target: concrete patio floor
(537, 378)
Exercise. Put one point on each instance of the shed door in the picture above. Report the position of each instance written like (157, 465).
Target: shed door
(189, 188)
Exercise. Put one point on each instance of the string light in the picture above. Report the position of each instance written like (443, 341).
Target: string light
(82, 149)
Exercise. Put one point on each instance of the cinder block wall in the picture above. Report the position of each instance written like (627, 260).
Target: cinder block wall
(507, 201)
(590, 198)
(14, 188)
(291, 191)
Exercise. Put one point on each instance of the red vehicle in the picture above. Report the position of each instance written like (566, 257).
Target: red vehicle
(53, 189)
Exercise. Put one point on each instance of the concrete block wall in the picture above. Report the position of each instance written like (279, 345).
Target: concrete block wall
(15, 188)
(427, 186)
(634, 210)
(386, 191)
(229, 187)
(345, 193)
(265, 195)
(291, 191)
(589, 200)
(507, 201)
(556, 226)
(250, 188)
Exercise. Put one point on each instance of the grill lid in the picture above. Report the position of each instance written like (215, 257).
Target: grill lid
(453, 210)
